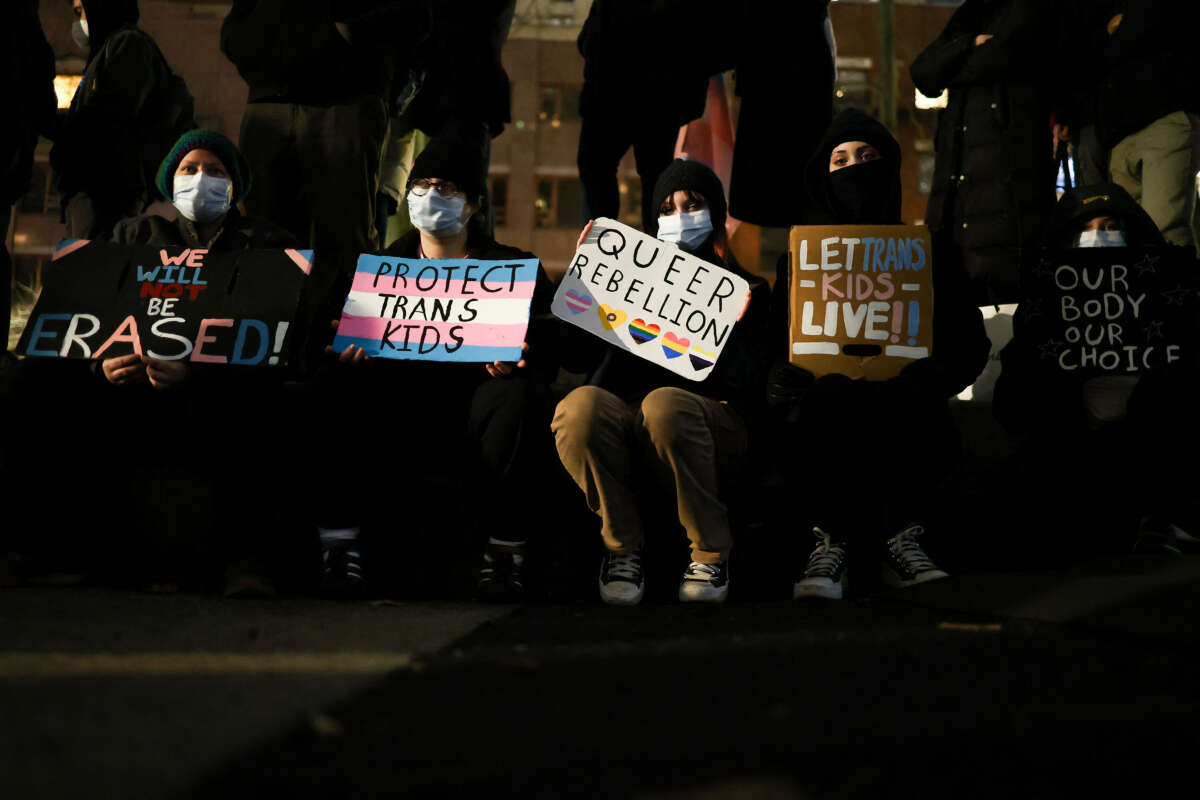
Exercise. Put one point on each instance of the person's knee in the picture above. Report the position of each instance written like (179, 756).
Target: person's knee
(579, 417)
(668, 414)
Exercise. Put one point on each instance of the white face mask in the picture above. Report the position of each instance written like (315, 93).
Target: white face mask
(79, 32)
(687, 229)
(436, 215)
(202, 198)
(1101, 239)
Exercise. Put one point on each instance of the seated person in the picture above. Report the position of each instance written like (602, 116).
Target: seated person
(832, 421)
(633, 416)
(1134, 430)
(481, 426)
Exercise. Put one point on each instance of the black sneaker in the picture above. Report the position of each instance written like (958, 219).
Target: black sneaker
(905, 563)
(705, 583)
(825, 573)
(501, 578)
(342, 573)
(621, 580)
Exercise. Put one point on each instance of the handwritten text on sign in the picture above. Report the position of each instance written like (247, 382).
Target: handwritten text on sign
(442, 309)
(861, 299)
(181, 304)
(651, 298)
(1112, 310)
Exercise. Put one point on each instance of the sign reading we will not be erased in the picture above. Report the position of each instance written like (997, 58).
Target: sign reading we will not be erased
(102, 300)
(861, 300)
(650, 298)
(444, 309)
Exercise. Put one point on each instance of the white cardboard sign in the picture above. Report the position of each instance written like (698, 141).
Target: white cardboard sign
(651, 298)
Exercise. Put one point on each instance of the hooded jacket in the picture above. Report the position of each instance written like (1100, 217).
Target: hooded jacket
(128, 110)
(993, 181)
(290, 51)
(1030, 394)
(960, 343)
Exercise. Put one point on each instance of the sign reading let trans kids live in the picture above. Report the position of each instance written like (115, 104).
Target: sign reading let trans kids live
(102, 300)
(442, 309)
(650, 298)
(861, 299)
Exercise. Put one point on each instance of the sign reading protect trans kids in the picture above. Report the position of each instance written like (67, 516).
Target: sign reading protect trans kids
(861, 300)
(651, 298)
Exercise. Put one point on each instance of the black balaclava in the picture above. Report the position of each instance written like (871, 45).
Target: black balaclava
(864, 194)
(106, 16)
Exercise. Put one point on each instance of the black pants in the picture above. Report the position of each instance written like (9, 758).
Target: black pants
(434, 448)
(867, 456)
(603, 140)
(316, 169)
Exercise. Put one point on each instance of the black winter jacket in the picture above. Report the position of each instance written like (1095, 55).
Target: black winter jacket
(124, 116)
(291, 50)
(27, 79)
(236, 233)
(993, 182)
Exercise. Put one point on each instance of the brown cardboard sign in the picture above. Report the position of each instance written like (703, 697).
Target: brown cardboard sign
(861, 300)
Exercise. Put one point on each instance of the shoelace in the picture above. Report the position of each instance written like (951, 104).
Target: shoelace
(701, 572)
(623, 566)
(906, 550)
(826, 558)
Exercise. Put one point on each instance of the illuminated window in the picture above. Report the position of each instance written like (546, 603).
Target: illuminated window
(498, 192)
(558, 203)
(64, 88)
(559, 104)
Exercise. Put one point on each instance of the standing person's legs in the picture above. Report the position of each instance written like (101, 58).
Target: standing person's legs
(691, 442)
(340, 150)
(1091, 159)
(267, 140)
(601, 145)
(593, 430)
(653, 150)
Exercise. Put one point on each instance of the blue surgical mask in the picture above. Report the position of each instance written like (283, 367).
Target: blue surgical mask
(1101, 239)
(79, 32)
(202, 198)
(436, 215)
(687, 229)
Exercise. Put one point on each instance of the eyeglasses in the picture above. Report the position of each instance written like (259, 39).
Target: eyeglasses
(421, 187)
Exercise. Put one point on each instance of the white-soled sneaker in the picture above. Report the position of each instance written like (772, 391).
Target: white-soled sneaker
(622, 582)
(905, 563)
(705, 583)
(825, 573)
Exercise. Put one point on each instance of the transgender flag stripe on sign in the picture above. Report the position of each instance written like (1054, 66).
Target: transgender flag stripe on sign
(438, 309)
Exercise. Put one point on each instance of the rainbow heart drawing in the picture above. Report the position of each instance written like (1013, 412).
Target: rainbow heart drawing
(674, 346)
(643, 332)
(577, 302)
(700, 359)
(610, 317)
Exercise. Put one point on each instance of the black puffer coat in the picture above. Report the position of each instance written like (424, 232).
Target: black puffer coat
(993, 182)
(27, 77)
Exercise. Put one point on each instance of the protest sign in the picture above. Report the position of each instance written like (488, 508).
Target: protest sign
(1112, 310)
(650, 298)
(102, 300)
(444, 309)
(861, 300)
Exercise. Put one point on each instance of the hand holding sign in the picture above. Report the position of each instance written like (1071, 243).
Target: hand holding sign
(650, 298)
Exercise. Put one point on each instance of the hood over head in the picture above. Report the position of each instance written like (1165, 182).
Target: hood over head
(853, 125)
(1084, 203)
(106, 16)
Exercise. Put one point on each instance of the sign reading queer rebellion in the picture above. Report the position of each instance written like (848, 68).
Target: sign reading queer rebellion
(651, 298)
(101, 300)
(861, 300)
(1112, 310)
(442, 309)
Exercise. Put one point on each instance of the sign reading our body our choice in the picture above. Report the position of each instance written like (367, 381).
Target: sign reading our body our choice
(101, 300)
(650, 298)
(442, 309)
(861, 299)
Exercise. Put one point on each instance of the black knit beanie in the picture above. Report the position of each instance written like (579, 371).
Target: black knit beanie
(685, 174)
(449, 159)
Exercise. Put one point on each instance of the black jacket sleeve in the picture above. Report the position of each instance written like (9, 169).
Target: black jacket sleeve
(939, 63)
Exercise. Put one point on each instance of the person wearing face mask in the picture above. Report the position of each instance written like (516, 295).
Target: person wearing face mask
(480, 427)
(854, 178)
(128, 110)
(1132, 434)
(632, 416)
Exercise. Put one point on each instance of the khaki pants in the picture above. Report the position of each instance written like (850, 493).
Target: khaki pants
(676, 440)
(1157, 166)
